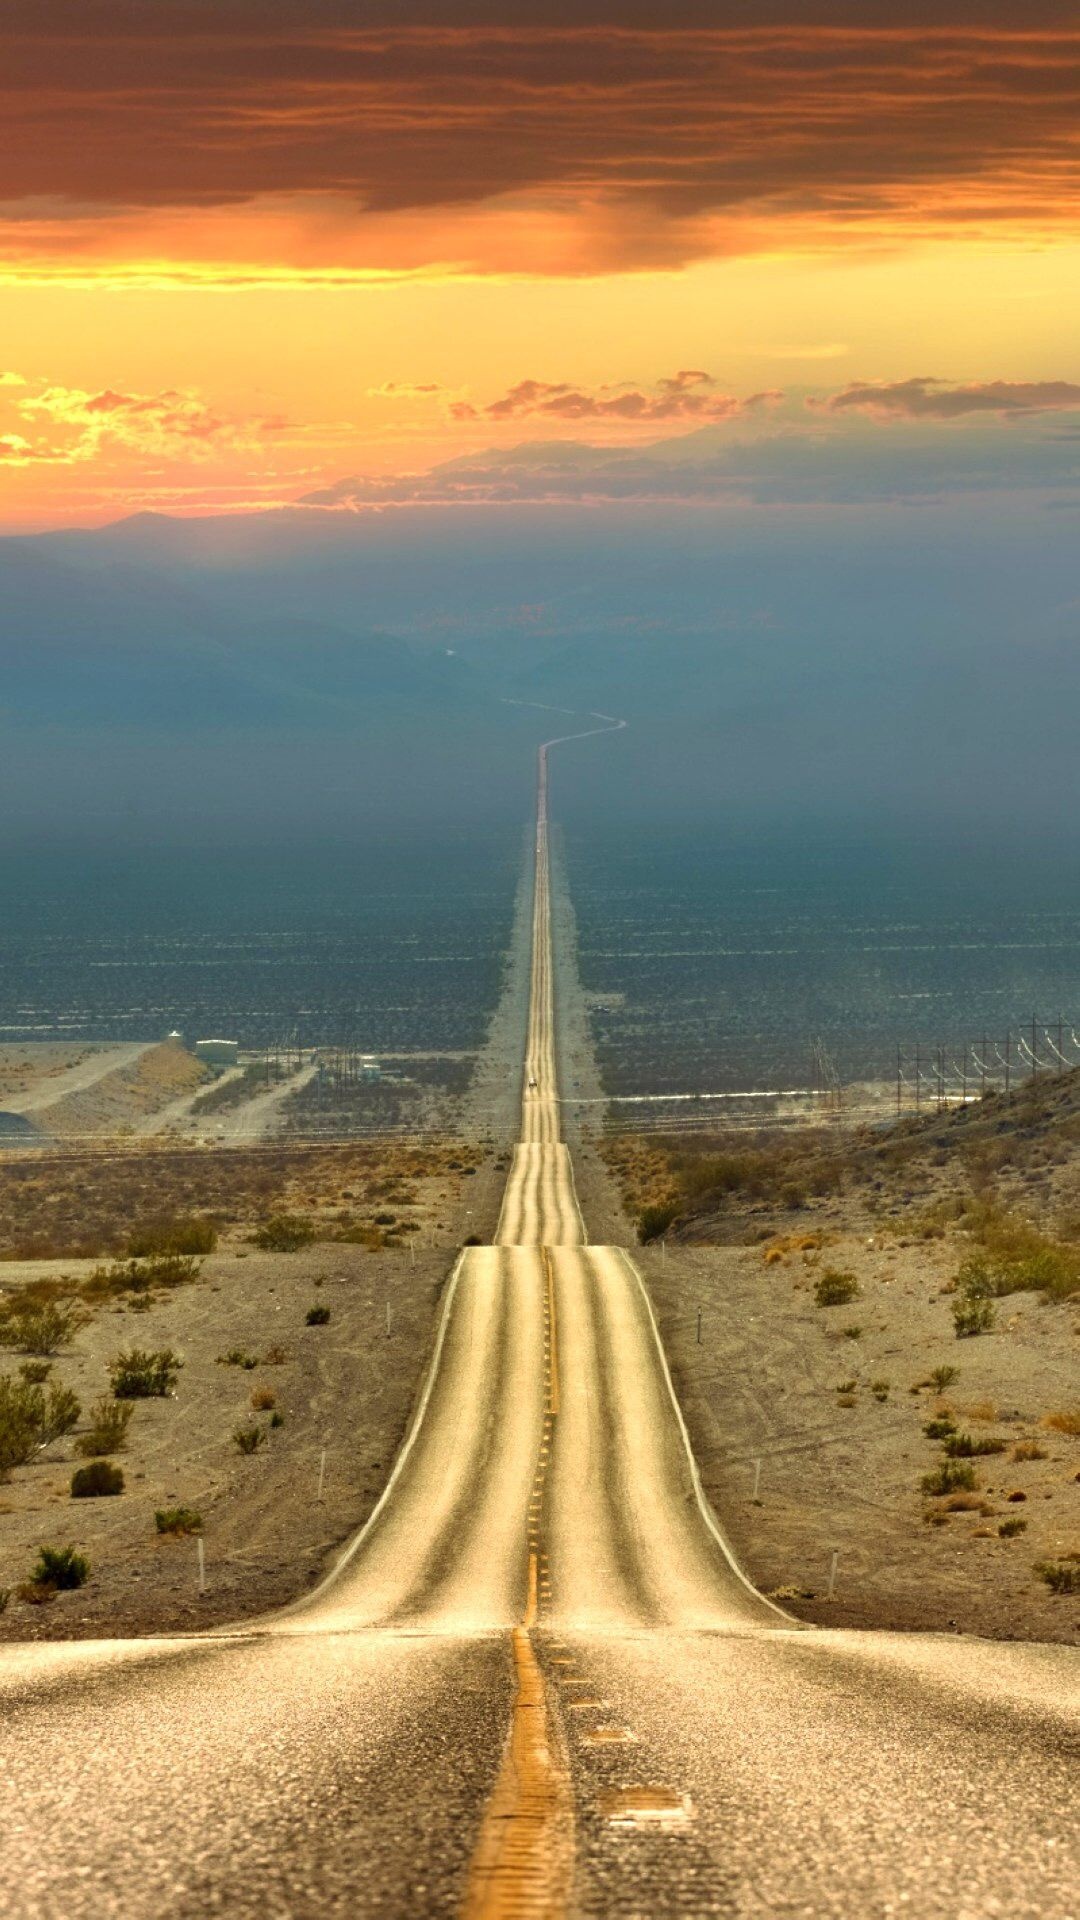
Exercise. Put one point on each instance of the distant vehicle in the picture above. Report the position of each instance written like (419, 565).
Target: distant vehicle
(532, 1080)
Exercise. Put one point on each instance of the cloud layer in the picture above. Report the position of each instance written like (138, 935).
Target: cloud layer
(687, 395)
(656, 142)
(929, 399)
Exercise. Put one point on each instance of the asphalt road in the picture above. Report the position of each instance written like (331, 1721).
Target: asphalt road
(537, 1683)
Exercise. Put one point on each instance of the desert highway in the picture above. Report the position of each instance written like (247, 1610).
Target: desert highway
(537, 1684)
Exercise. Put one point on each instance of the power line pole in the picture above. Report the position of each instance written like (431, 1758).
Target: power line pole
(1008, 1056)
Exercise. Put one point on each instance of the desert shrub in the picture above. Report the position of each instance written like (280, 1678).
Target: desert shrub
(140, 1277)
(880, 1389)
(1061, 1576)
(277, 1419)
(247, 1439)
(1010, 1529)
(140, 1375)
(654, 1220)
(41, 1329)
(972, 1316)
(183, 1234)
(942, 1427)
(96, 1480)
(942, 1377)
(284, 1233)
(60, 1569)
(236, 1357)
(964, 1446)
(107, 1433)
(62, 1412)
(262, 1399)
(22, 1414)
(178, 1520)
(951, 1476)
(317, 1317)
(834, 1288)
(5, 1596)
(1018, 1258)
(1065, 1420)
(1028, 1450)
(852, 1333)
(35, 1372)
(275, 1357)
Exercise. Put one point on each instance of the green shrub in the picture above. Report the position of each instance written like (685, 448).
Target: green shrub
(851, 1333)
(834, 1288)
(942, 1377)
(880, 1389)
(183, 1234)
(178, 1520)
(284, 1233)
(35, 1372)
(277, 1419)
(60, 1569)
(964, 1446)
(655, 1220)
(107, 1433)
(1061, 1576)
(952, 1476)
(248, 1439)
(317, 1317)
(1009, 1529)
(236, 1357)
(96, 1480)
(140, 1375)
(941, 1428)
(972, 1316)
(38, 1329)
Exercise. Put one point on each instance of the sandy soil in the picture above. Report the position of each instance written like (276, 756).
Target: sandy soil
(346, 1387)
(114, 1102)
(763, 1384)
(35, 1073)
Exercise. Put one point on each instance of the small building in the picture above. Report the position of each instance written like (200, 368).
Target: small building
(218, 1053)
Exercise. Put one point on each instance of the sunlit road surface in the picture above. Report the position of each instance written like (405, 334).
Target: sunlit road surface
(537, 1684)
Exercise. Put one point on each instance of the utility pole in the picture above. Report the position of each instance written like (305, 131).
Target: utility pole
(964, 1091)
(1034, 1053)
(899, 1080)
(984, 1052)
(1008, 1055)
(918, 1087)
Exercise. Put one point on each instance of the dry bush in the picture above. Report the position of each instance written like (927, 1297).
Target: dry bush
(263, 1399)
(1064, 1420)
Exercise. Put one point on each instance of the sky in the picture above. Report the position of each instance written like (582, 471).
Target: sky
(375, 257)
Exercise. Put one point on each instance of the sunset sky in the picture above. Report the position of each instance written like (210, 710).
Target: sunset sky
(258, 251)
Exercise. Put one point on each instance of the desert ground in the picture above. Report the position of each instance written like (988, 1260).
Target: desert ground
(808, 1420)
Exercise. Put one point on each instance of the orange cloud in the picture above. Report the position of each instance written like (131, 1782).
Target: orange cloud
(688, 395)
(318, 145)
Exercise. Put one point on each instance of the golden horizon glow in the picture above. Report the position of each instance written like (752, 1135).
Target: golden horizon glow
(265, 252)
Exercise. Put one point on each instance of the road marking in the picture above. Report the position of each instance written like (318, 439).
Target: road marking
(553, 1385)
(523, 1859)
(646, 1807)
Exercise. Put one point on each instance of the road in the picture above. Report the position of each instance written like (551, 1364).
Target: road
(537, 1683)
